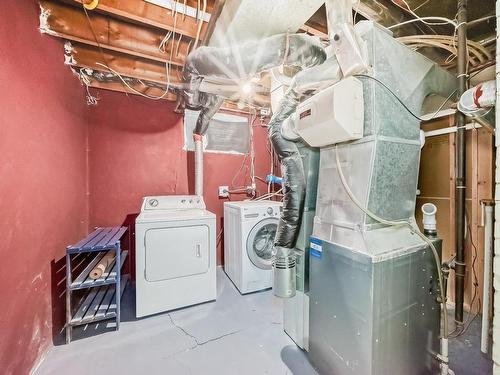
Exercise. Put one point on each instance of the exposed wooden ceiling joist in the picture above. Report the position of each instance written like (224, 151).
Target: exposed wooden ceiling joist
(85, 56)
(156, 93)
(217, 10)
(144, 13)
(70, 23)
(117, 86)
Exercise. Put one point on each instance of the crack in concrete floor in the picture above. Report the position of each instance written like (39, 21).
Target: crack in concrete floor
(196, 340)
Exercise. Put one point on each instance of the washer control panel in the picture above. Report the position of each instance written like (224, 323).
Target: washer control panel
(172, 202)
(256, 210)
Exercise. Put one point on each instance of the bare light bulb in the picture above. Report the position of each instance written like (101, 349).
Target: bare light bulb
(246, 88)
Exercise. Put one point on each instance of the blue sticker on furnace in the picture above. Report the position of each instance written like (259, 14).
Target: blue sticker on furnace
(316, 247)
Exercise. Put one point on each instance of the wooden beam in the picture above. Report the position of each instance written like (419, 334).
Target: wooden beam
(156, 92)
(119, 87)
(312, 31)
(70, 23)
(217, 10)
(144, 13)
(86, 56)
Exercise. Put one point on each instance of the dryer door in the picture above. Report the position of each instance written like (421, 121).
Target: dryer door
(174, 252)
(260, 243)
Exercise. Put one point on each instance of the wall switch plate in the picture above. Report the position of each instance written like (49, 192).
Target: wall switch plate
(223, 191)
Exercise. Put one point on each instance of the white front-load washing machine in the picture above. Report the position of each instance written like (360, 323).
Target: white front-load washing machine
(175, 254)
(249, 231)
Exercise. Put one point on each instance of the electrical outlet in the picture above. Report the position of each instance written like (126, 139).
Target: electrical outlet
(223, 191)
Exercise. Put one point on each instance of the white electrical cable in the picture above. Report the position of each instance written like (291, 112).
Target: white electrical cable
(422, 19)
(200, 24)
(412, 12)
(402, 223)
(269, 196)
(91, 99)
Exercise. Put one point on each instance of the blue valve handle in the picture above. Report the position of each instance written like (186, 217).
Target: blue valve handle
(274, 179)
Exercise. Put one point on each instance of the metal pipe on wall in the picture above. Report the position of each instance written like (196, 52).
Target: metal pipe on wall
(198, 164)
(460, 164)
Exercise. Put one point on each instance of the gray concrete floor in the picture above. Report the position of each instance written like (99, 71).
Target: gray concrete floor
(234, 335)
(465, 353)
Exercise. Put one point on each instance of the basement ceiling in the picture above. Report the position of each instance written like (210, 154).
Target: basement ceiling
(117, 45)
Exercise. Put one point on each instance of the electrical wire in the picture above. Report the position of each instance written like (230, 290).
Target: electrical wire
(422, 19)
(402, 103)
(402, 223)
(200, 24)
(477, 53)
(269, 196)
(92, 100)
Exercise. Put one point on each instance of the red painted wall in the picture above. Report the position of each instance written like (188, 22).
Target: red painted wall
(42, 182)
(136, 150)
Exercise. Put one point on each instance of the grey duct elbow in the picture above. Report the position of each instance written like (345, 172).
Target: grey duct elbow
(284, 272)
(294, 191)
(202, 122)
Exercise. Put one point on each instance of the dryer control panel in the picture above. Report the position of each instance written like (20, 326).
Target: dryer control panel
(172, 202)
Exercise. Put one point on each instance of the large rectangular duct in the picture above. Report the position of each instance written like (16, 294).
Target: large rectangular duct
(243, 20)
(373, 289)
(382, 167)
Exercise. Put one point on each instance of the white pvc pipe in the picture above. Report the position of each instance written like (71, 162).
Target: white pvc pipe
(478, 99)
(488, 236)
(445, 367)
(496, 349)
(429, 216)
(198, 165)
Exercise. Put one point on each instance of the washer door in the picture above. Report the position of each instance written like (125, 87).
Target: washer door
(260, 243)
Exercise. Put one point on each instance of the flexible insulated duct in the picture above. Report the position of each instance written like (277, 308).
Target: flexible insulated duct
(309, 80)
(239, 62)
